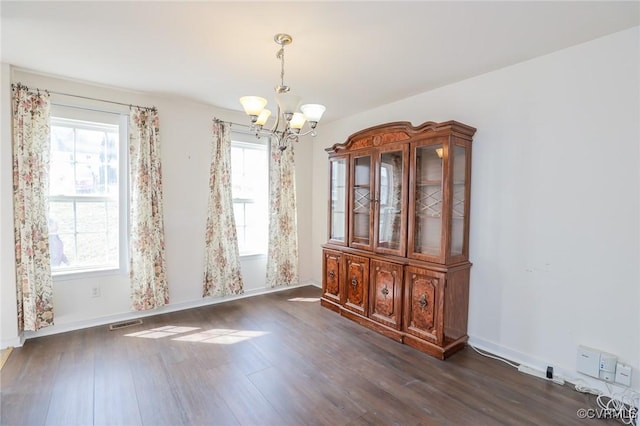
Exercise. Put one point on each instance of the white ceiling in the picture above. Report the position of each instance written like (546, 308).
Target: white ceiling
(349, 56)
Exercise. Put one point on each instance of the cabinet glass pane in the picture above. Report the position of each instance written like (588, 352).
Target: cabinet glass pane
(390, 215)
(338, 199)
(428, 200)
(361, 199)
(458, 205)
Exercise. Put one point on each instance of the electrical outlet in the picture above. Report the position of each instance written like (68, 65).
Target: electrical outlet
(95, 291)
(623, 374)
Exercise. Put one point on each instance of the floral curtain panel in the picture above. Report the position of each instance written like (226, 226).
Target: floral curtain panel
(282, 259)
(149, 288)
(30, 190)
(222, 274)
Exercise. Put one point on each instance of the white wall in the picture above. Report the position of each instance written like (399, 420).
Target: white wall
(555, 199)
(185, 134)
(8, 309)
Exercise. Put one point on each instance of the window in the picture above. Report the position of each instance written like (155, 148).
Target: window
(250, 189)
(87, 190)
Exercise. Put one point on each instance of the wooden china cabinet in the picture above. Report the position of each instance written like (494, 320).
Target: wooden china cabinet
(397, 257)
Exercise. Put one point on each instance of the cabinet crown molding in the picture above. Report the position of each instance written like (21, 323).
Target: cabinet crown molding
(400, 131)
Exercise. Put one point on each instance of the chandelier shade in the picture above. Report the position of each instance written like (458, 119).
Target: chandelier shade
(253, 105)
(263, 117)
(288, 122)
(297, 121)
(287, 102)
(313, 112)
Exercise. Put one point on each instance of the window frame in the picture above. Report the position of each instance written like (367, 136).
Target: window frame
(245, 140)
(121, 119)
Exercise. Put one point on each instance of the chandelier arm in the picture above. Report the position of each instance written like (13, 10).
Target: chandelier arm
(308, 132)
(288, 137)
(277, 123)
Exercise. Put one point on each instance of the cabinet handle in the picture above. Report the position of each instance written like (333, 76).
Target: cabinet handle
(332, 274)
(423, 301)
(385, 291)
(354, 282)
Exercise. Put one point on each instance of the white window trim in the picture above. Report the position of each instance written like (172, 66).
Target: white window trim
(122, 120)
(249, 140)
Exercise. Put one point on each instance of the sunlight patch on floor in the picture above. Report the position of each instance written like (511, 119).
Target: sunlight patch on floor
(221, 336)
(5, 356)
(159, 332)
(305, 299)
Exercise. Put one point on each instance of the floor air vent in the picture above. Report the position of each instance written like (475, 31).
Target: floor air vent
(124, 324)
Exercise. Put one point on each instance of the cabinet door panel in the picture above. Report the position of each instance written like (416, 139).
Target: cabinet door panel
(361, 203)
(391, 200)
(338, 182)
(460, 170)
(357, 284)
(332, 274)
(386, 293)
(428, 201)
(423, 304)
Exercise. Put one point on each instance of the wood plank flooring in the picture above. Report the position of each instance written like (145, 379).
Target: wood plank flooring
(276, 359)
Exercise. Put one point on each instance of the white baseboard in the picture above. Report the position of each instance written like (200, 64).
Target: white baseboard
(15, 342)
(314, 283)
(125, 316)
(573, 377)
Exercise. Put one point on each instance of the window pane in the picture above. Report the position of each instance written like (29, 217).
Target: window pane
(62, 250)
(91, 217)
(92, 249)
(62, 139)
(112, 217)
(250, 192)
(61, 217)
(84, 222)
(238, 213)
(257, 227)
(111, 164)
(61, 161)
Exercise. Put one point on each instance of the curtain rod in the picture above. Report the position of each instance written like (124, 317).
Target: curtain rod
(247, 129)
(20, 85)
(231, 123)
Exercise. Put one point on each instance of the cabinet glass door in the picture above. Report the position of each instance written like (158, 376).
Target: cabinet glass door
(338, 200)
(428, 202)
(459, 204)
(391, 199)
(361, 228)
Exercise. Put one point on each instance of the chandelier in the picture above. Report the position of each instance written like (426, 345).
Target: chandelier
(288, 122)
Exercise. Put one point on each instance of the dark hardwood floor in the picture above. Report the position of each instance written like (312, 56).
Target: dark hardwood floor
(276, 359)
